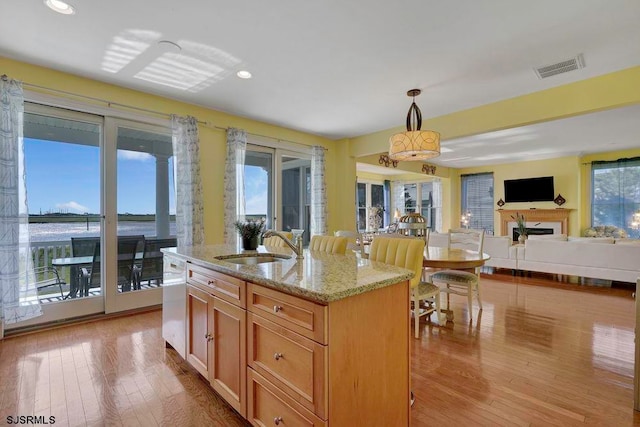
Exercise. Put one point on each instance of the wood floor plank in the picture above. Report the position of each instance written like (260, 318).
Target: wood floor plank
(541, 352)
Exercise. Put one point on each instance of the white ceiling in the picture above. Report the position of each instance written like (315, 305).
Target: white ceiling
(342, 68)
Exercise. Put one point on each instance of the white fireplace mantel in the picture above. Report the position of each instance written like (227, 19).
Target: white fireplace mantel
(559, 217)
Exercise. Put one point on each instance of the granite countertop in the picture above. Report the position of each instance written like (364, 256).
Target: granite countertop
(319, 277)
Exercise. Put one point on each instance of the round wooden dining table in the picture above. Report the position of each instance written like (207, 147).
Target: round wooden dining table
(455, 259)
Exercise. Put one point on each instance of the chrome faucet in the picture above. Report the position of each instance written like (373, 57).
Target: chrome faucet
(296, 245)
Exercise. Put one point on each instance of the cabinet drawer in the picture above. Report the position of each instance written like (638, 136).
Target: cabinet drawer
(269, 406)
(299, 315)
(225, 287)
(293, 363)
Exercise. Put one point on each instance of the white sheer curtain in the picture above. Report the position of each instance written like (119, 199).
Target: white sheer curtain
(437, 203)
(18, 298)
(318, 192)
(189, 203)
(234, 202)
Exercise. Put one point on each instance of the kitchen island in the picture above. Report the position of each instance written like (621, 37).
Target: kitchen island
(317, 341)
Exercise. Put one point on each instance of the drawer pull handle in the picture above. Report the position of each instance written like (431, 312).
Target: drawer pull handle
(278, 356)
(209, 337)
(277, 420)
(277, 308)
(211, 282)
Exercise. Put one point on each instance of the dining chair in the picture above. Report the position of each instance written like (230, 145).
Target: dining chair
(407, 252)
(151, 267)
(329, 244)
(458, 282)
(276, 241)
(353, 239)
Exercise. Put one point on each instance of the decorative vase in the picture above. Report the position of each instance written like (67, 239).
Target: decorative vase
(522, 238)
(250, 244)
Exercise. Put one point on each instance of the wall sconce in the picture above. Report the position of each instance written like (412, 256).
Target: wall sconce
(429, 169)
(466, 219)
(386, 160)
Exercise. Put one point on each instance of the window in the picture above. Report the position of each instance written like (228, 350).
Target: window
(371, 194)
(419, 197)
(615, 192)
(477, 200)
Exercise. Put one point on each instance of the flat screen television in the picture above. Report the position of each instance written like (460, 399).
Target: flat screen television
(529, 189)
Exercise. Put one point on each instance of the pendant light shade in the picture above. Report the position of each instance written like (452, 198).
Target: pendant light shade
(414, 144)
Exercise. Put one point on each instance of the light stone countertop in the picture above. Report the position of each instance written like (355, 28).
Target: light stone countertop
(319, 277)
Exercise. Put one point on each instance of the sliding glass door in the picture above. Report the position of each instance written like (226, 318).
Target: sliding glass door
(267, 169)
(63, 154)
(101, 206)
(143, 212)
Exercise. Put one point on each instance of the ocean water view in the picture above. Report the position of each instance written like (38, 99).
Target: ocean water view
(59, 231)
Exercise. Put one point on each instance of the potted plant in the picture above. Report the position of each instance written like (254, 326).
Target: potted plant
(250, 232)
(521, 226)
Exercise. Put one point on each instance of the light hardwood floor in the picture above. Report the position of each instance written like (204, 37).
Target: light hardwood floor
(541, 353)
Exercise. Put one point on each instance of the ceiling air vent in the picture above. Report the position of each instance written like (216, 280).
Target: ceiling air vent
(574, 63)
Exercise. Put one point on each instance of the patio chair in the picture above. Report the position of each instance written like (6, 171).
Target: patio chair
(44, 277)
(83, 246)
(127, 248)
(151, 267)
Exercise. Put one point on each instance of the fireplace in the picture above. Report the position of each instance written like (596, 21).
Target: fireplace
(533, 231)
(558, 219)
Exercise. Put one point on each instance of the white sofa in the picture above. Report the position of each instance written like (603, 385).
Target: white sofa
(598, 258)
(594, 257)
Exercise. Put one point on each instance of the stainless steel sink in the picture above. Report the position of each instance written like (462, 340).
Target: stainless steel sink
(252, 259)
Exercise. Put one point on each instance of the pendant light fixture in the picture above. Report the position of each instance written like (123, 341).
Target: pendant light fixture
(414, 144)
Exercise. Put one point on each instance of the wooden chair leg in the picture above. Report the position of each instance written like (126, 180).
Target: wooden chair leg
(416, 317)
(470, 302)
(478, 295)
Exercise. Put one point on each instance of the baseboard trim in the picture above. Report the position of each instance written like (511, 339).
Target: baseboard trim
(33, 329)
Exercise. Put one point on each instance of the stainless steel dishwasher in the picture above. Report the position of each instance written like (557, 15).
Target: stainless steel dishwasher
(174, 302)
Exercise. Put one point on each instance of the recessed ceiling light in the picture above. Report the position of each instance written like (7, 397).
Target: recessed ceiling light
(60, 7)
(244, 74)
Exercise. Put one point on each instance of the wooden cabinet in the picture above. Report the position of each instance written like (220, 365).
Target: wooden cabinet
(216, 340)
(198, 329)
(282, 360)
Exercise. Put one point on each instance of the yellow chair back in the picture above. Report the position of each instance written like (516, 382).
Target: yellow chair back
(401, 252)
(329, 244)
(277, 242)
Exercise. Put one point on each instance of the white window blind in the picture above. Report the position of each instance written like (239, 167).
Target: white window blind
(477, 199)
(615, 193)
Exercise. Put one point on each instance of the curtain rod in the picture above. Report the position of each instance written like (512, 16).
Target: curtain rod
(111, 104)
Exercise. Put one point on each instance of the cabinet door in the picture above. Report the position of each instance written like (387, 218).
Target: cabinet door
(228, 358)
(198, 335)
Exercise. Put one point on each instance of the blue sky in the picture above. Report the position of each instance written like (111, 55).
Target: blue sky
(63, 177)
(256, 187)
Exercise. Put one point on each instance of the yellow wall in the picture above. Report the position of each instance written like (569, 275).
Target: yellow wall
(212, 140)
(565, 172)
